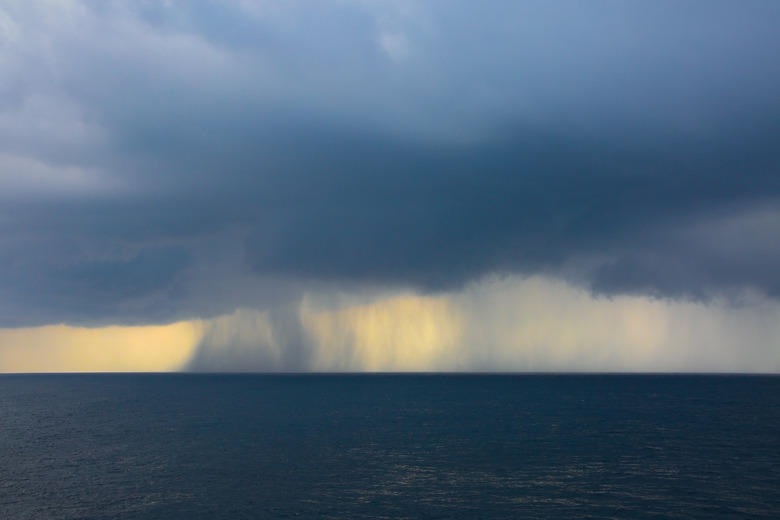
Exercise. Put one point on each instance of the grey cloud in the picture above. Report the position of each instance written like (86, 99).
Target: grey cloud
(247, 341)
(611, 145)
(531, 204)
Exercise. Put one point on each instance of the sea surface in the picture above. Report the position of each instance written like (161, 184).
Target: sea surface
(389, 446)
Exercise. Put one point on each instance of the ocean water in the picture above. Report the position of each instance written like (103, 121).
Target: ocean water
(389, 446)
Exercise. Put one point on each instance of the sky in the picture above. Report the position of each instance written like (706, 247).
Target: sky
(354, 185)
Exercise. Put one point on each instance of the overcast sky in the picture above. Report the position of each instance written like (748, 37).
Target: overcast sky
(290, 173)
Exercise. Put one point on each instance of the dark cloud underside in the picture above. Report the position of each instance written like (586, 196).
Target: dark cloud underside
(214, 155)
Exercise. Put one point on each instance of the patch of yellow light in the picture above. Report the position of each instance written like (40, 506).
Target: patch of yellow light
(60, 348)
(403, 333)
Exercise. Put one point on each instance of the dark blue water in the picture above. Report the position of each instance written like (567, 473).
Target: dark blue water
(564, 446)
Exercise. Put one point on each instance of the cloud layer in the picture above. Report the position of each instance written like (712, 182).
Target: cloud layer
(179, 160)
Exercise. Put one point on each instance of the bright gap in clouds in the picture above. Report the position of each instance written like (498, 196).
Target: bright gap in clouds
(507, 325)
(60, 348)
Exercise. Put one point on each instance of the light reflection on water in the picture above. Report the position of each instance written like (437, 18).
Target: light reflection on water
(192, 447)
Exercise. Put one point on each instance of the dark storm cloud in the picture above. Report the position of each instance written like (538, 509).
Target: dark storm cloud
(175, 160)
(437, 218)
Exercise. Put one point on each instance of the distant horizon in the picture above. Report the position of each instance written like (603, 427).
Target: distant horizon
(470, 373)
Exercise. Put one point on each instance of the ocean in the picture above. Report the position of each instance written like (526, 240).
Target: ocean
(192, 446)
